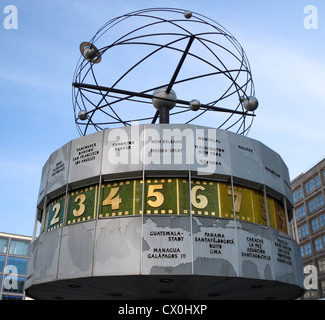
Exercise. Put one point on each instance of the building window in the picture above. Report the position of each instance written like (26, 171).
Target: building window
(316, 203)
(19, 247)
(3, 245)
(312, 184)
(305, 250)
(300, 213)
(303, 231)
(309, 187)
(312, 205)
(318, 222)
(322, 284)
(319, 201)
(297, 195)
(315, 224)
(19, 263)
(2, 262)
(316, 182)
(6, 297)
(321, 265)
(319, 244)
(322, 220)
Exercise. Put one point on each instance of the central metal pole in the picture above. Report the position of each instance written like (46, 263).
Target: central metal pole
(163, 115)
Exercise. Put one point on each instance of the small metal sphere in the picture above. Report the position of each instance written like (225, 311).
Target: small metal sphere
(161, 93)
(188, 14)
(195, 105)
(82, 115)
(251, 103)
(89, 53)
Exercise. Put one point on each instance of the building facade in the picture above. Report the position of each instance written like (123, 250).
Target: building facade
(309, 223)
(14, 253)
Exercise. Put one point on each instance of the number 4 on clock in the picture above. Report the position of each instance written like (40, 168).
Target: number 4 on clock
(113, 199)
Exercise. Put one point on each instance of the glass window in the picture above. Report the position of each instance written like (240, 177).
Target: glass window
(2, 262)
(312, 184)
(19, 263)
(19, 247)
(321, 265)
(3, 245)
(316, 203)
(6, 297)
(319, 201)
(316, 182)
(300, 212)
(315, 224)
(14, 284)
(309, 187)
(297, 195)
(322, 220)
(303, 231)
(312, 205)
(318, 244)
(305, 250)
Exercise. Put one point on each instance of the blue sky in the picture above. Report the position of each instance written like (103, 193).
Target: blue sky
(38, 61)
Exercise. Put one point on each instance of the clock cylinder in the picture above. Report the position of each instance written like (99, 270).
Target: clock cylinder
(164, 211)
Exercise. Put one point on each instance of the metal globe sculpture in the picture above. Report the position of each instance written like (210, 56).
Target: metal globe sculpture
(164, 49)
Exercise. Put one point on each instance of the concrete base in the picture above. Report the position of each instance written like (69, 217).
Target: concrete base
(164, 287)
(164, 257)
